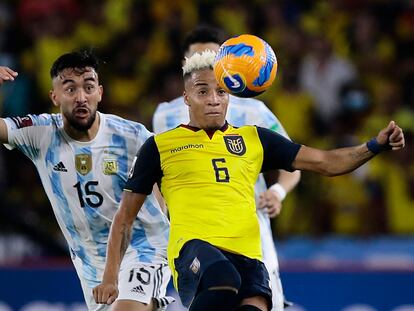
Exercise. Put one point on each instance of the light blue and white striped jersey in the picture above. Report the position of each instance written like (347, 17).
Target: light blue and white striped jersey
(84, 183)
(241, 111)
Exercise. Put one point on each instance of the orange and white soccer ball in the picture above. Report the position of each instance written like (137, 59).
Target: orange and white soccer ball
(245, 66)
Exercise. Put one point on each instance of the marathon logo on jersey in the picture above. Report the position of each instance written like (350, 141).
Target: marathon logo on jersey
(185, 147)
(83, 163)
(22, 122)
(235, 144)
(110, 166)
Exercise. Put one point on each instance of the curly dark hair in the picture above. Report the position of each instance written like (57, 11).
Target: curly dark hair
(77, 59)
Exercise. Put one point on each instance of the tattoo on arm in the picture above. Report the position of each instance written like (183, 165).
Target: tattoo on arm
(126, 238)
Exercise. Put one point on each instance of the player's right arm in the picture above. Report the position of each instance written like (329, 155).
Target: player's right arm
(6, 74)
(119, 238)
(144, 174)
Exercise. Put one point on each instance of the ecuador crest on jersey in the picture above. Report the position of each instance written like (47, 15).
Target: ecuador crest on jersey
(235, 144)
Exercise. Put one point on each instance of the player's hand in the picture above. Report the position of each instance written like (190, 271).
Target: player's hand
(393, 135)
(270, 202)
(6, 74)
(105, 293)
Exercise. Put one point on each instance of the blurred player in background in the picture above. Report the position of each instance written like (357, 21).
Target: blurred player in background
(83, 158)
(241, 111)
(207, 171)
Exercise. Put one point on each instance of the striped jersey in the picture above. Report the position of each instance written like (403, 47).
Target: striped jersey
(84, 183)
(207, 180)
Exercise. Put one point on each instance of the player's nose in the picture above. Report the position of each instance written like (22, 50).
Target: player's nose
(80, 96)
(214, 99)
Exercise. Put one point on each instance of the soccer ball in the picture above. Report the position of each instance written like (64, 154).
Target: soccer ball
(245, 66)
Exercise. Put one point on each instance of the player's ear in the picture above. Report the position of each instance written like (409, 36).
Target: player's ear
(185, 96)
(52, 96)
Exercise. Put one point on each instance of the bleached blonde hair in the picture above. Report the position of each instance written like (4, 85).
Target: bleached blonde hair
(199, 61)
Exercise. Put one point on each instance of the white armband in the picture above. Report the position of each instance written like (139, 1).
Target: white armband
(279, 190)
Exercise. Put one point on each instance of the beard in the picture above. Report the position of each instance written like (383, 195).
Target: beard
(81, 125)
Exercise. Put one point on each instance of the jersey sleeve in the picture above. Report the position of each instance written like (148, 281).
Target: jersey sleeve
(27, 133)
(157, 124)
(146, 169)
(269, 120)
(144, 133)
(278, 151)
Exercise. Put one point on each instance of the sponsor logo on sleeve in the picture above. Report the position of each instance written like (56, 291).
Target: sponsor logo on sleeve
(22, 122)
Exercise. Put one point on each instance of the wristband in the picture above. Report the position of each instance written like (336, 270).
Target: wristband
(279, 190)
(375, 147)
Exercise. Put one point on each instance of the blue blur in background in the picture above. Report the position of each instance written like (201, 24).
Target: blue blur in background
(329, 274)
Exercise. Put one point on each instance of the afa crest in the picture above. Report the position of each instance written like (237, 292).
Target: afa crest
(235, 144)
(110, 166)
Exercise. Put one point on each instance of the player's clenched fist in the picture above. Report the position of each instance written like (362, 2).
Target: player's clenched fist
(105, 293)
(393, 135)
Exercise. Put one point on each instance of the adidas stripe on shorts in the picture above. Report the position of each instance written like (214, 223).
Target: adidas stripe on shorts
(146, 281)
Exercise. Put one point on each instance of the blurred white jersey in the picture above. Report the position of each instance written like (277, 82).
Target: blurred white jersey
(241, 111)
(84, 183)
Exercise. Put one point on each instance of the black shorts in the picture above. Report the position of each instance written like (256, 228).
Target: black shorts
(195, 258)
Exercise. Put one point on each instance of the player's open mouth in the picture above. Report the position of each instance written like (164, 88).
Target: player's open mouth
(81, 112)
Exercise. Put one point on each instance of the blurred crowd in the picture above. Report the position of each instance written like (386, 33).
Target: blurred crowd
(346, 68)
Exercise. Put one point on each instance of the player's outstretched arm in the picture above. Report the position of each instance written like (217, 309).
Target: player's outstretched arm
(119, 238)
(6, 74)
(344, 160)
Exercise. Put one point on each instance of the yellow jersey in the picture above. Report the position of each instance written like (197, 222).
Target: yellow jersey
(207, 180)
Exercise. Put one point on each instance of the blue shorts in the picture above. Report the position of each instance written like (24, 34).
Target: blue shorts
(197, 256)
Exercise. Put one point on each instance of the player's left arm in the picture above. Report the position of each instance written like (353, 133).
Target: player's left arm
(271, 199)
(344, 160)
